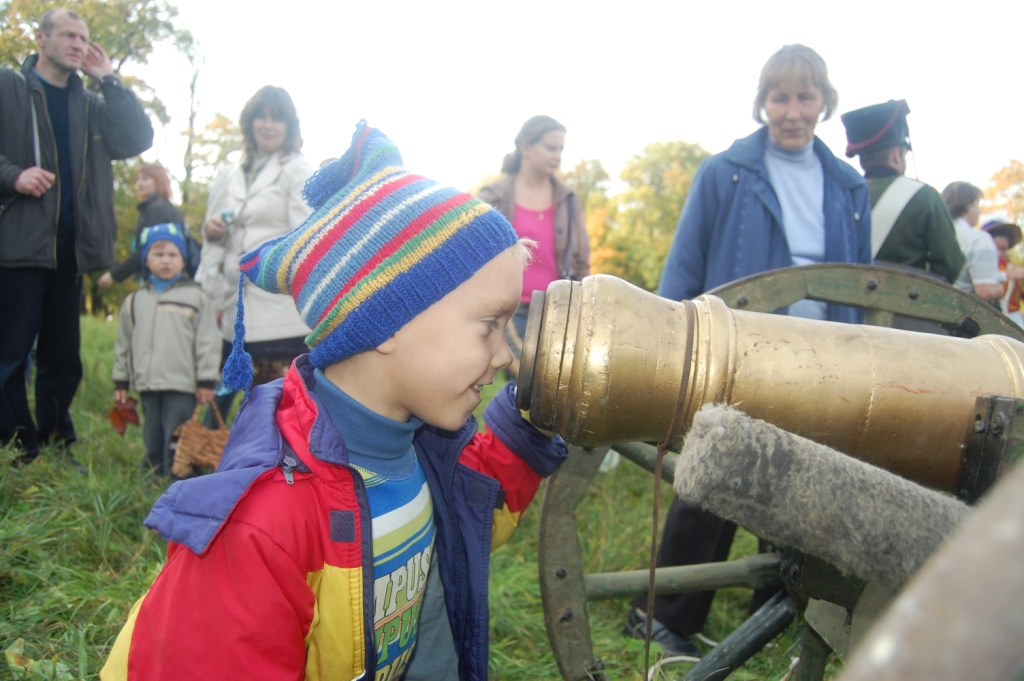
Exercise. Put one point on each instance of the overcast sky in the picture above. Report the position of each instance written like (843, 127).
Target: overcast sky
(451, 82)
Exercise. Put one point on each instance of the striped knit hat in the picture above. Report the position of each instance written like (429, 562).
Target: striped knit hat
(381, 246)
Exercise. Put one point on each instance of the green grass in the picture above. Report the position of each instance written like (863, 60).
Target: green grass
(73, 552)
(74, 555)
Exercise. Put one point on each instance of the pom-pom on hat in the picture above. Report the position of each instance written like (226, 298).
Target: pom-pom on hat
(381, 246)
(165, 232)
(878, 126)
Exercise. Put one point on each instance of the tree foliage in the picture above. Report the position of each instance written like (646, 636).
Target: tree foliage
(127, 29)
(108, 302)
(484, 181)
(1005, 191)
(631, 232)
(587, 179)
(206, 150)
(220, 142)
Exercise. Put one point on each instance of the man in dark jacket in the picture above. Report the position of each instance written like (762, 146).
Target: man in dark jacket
(57, 140)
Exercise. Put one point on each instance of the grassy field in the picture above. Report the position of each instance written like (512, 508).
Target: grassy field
(74, 555)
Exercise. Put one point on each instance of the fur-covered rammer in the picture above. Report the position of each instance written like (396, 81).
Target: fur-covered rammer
(794, 492)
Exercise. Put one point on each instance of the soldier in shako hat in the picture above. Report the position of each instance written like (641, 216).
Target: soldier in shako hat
(910, 224)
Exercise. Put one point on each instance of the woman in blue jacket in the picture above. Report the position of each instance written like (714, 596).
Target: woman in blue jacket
(776, 198)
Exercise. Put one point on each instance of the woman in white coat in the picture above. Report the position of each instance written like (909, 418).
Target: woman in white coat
(250, 202)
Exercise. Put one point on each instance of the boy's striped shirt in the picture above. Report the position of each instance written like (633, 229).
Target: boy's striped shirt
(403, 539)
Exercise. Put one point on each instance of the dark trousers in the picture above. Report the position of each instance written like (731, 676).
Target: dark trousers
(692, 536)
(163, 412)
(38, 303)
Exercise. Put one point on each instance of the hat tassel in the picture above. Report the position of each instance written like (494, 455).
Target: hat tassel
(238, 369)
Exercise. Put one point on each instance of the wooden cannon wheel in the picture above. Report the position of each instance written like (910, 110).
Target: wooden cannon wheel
(886, 294)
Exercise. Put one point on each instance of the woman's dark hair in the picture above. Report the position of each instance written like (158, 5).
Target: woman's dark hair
(276, 100)
(531, 133)
(161, 179)
(959, 196)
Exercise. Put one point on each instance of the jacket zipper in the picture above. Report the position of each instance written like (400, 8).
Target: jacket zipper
(371, 649)
(81, 184)
(152, 334)
(359, 486)
(131, 347)
(458, 537)
(290, 464)
(56, 159)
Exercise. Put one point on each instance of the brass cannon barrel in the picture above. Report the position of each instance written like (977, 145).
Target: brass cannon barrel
(604, 361)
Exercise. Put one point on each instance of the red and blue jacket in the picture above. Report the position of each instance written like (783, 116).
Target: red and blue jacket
(269, 571)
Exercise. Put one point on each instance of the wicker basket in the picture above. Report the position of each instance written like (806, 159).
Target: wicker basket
(197, 445)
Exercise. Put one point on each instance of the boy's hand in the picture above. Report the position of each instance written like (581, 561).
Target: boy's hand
(120, 395)
(525, 413)
(204, 395)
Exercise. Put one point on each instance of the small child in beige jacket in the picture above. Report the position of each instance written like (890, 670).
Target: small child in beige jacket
(168, 344)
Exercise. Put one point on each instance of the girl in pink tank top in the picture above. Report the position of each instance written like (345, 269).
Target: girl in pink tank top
(542, 208)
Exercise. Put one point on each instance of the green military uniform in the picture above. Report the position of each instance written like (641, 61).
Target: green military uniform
(923, 235)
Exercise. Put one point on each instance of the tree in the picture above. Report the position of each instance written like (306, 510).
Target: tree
(484, 181)
(127, 29)
(1005, 191)
(107, 302)
(205, 151)
(631, 233)
(219, 143)
(191, 51)
(588, 178)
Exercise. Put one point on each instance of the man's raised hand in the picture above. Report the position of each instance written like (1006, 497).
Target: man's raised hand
(97, 63)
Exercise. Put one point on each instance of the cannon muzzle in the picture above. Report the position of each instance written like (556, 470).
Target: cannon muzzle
(604, 362)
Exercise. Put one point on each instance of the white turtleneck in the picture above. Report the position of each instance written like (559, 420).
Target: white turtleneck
(799, 183)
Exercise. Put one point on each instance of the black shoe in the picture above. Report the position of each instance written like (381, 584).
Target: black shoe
(62, 445)
(73, 462)
(24, 459)
(672, 643)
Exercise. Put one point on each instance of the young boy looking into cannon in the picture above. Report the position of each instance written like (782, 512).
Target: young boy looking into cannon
(350, 522)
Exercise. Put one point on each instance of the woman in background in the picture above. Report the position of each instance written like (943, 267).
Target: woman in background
(775, 198)
(980, 275)
(252, 201)
(540, 207)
